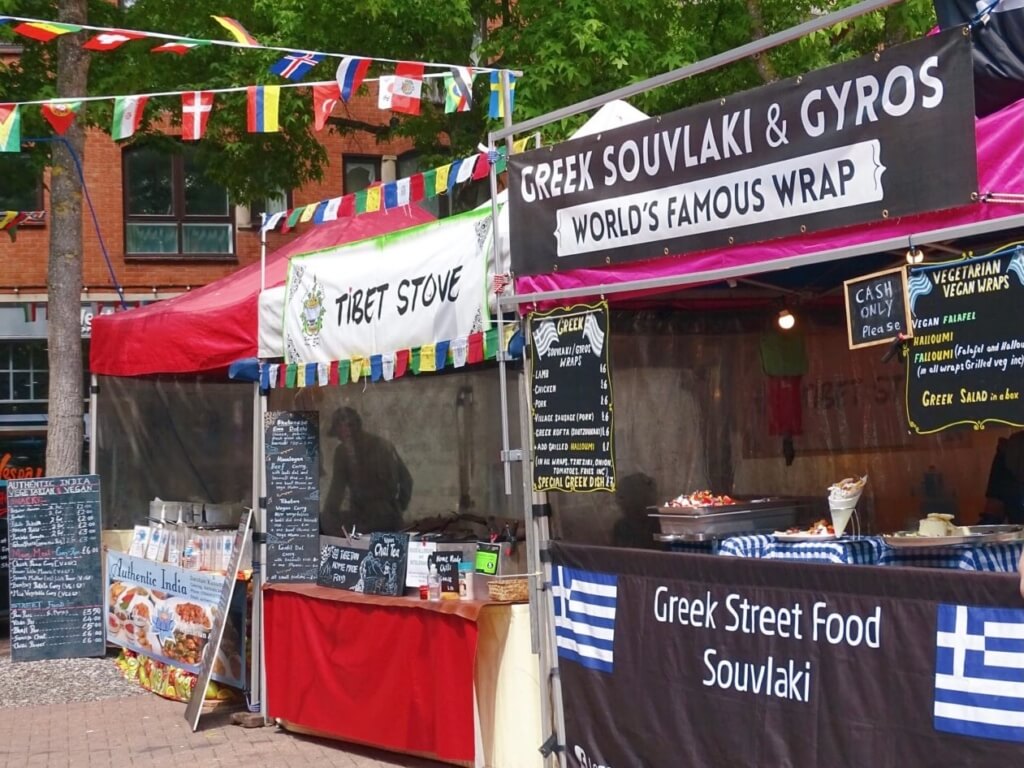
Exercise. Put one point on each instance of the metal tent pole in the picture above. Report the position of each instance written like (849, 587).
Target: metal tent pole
(94, 399)
(260, 486)
(256, 663)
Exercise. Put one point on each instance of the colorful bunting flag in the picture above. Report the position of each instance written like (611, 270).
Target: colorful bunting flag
(373, 199)
(331, 210)
(10, 128)
(416, 187)
(347, 207)
(293, 218)
(127, 116)
(111, 40)
(11, 219)
(60, 114)
(385, 91)
(44, 31)
(441, 355)
(458, 90)
(406, 88)
(390, 196)
(430, 183)
(307, 213)
(402, 191)
(195, 112)
(237, 31)
(295, 66)
(453, 174)
(325, 97)
(264, 101)
(178, 47)
(441, 179)
(351, 72)
(496, 108)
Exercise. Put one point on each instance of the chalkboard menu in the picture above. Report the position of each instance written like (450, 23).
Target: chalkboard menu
(571, 389)
(876, 308)
(447, 565)
(292, 449)
(5, 566)
(56, 592)
(340, 567)
(966, 365)
(194, 708)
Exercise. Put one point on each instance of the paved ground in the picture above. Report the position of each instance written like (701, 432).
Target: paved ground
(148, 731)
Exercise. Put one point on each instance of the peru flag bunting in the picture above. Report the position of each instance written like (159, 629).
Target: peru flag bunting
(406, 88)
(195, 112)
(237, 31)
(109, 41)
(264, 101)
(10, 128)
(45, 31)
(61, 114)
(351, 73)
(127, 116)
(325, 97)
(178, 46)
(295, 66)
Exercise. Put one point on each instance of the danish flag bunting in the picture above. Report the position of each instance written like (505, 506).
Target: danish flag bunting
(195, 111)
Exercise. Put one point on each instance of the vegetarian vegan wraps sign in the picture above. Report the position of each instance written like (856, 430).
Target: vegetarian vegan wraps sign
(840, 146)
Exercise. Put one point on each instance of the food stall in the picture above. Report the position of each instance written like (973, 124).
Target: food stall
(758, 650)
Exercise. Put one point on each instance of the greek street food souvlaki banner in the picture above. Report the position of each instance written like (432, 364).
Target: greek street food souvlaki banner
(891, 134)
(398, 291)
(673, 660)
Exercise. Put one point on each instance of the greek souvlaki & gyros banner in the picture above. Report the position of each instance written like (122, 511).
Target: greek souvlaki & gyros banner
(890, 134)
(671, 659)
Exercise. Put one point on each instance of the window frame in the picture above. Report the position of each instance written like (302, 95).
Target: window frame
(376, 160)
(257, 207)
(39, 203)
(180, 218)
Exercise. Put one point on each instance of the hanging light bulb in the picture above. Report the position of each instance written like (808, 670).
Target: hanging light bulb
(786, 320)
(915, 256)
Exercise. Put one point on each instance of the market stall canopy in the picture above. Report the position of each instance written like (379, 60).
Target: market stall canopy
(1000, 156)
(211, 327)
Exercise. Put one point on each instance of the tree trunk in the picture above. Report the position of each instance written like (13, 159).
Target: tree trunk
(764, 65)
(65, 429)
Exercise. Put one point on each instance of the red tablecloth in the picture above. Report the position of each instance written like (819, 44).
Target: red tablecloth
(388, 672)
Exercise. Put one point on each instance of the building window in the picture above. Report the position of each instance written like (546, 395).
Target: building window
(22, 187)
(24, 372)
(360, 171)
(172, 208)
(282, 201)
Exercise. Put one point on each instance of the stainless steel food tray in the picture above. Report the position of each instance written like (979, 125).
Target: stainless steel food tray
(979, 534)
(746, 517)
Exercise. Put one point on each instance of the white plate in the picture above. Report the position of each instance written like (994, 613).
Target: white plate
(804, 536)
(910, 539)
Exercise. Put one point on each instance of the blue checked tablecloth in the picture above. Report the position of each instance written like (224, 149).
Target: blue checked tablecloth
(999, 557)
(849, 550)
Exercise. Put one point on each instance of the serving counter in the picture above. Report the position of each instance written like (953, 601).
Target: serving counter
(453, 680)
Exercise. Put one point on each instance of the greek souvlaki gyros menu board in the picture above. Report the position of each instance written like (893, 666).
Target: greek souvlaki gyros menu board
(167, 613)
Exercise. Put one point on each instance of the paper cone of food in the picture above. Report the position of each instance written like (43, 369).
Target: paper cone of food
(842, 501)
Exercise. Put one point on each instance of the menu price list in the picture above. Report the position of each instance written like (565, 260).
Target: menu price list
(56, 608)
(572, 400)
(966, 363)
(293, 495)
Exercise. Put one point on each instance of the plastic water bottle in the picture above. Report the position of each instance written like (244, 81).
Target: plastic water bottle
(433, 584)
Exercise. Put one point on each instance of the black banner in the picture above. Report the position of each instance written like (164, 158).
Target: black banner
(56, 592)
(292, 449)
(877, 310)
(572, 400)
(966, 364)
(839, 146)
(695, 660)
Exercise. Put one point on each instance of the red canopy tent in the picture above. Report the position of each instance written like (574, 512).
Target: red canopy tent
(209, 328)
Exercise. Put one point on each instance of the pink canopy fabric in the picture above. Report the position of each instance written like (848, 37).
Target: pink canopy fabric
(1000, 170)
(211, 327)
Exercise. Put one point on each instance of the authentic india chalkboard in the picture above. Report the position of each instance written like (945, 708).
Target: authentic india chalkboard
(571, 389)
(56, 607)
(876, 308)
(966, 365)
(292, 450)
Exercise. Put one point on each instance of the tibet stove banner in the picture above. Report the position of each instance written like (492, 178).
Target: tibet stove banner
(886, 135)
(693, 660)
(389, 293)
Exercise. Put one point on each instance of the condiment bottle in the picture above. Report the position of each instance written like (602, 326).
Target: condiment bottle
(433, 584)
(465, 581)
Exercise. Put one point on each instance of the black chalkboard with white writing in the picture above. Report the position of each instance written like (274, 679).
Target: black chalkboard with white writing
(447, 564)
(340, 567)
(5, 566)
(292, 449)
(384, 566)
(877, 310)
(571, 391)
(966, 365)
(56, 590)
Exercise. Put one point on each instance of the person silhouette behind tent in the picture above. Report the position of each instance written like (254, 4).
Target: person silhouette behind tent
(370, 485)
(635, 493)
(1005, 490)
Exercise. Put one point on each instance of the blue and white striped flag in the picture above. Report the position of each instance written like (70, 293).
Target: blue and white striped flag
(593, 334)
(979, 672)
(585, 616)
(545, 336)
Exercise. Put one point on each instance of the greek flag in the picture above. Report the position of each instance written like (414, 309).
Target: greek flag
(592, 333)
(544, 337)
(585, 616)
(979, 672)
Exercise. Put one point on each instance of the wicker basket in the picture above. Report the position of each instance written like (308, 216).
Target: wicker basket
(514, 589)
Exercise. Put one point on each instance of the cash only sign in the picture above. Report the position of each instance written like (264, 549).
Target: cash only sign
(844, 145)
